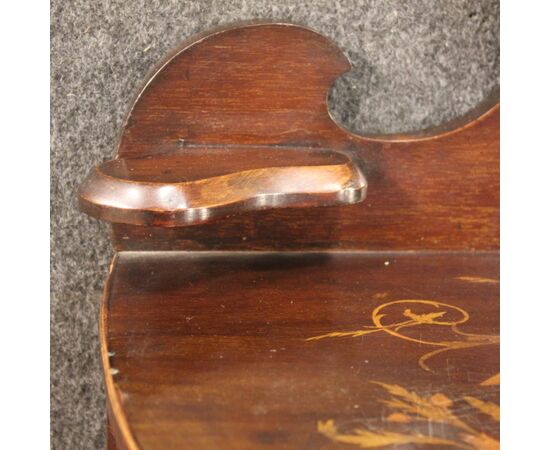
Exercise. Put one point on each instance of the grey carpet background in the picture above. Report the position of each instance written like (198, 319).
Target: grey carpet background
(416, 64)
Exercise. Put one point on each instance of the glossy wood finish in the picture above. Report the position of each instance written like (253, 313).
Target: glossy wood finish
(266, 84)
(316, 348)
(259, 84)
(201, 183)
(231, 351)
(440, 193)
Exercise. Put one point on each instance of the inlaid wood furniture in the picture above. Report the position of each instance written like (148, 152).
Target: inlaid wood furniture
(259, 297)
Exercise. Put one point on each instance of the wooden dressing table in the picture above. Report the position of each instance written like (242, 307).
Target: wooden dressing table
(260, 297)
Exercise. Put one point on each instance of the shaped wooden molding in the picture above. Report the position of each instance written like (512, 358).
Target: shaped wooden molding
(198, 184)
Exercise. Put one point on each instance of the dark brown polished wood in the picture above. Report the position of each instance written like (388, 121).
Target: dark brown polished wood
(198, 184)
(267, 85)
(337, 323)
(214, 350)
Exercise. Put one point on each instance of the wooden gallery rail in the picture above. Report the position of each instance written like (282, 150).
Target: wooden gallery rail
(258, 297)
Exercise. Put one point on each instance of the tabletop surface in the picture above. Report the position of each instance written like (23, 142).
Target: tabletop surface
(233, 350)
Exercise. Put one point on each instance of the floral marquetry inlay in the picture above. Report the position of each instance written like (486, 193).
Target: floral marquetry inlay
(408, 407)
(398, 317)
(422, 419)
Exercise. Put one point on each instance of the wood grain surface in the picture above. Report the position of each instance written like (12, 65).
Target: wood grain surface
(200, 183)
(304, 350)
(355, 325)
(267, 84)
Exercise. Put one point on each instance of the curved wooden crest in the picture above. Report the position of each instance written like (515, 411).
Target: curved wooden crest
(265, 85)
(259, 84)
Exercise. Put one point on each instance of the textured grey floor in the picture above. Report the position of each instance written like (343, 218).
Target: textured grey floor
(417, 63)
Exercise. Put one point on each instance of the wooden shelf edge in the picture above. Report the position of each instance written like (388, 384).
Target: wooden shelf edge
(167, 191)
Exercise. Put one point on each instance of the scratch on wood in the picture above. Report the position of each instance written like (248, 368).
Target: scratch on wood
(478, 280)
